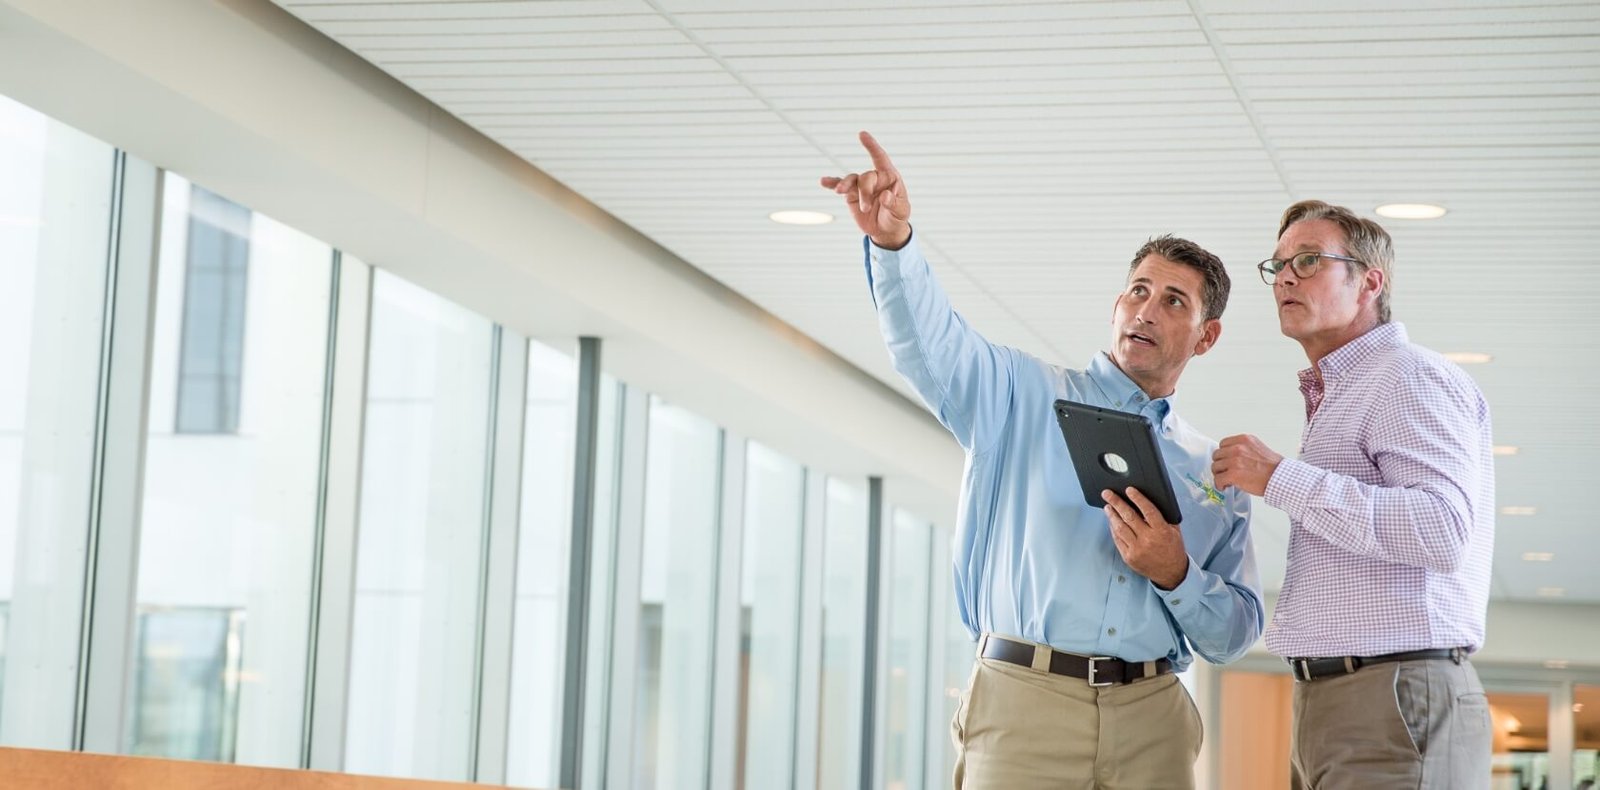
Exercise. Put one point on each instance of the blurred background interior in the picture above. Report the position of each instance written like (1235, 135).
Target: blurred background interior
(432, 389)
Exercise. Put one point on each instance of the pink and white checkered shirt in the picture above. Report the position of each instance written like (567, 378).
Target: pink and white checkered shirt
(1391, 505)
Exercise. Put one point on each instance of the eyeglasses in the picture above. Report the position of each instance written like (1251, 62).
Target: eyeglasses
(1304, 265)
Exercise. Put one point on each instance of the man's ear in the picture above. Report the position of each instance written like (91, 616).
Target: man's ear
(1372, 282)
(1209, 332)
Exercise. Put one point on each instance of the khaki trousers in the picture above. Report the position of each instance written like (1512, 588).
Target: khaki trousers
(1407, 724)
(1018, 728)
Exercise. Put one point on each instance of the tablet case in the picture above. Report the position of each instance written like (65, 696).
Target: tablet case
(1097, 438)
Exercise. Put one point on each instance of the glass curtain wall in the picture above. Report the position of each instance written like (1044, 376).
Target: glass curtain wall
(677, 589)
(844, 597)
(769, 636)
(959, 654)
(419, 552)
(231, 481)
(907, 684)
(229, 522)
(539, 631)
(55, 216)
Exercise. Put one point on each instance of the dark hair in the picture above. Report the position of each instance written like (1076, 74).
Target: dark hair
(1364, 240)
(1183, 251)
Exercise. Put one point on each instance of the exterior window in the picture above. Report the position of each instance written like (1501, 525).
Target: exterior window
(186, 684)
(216, 266)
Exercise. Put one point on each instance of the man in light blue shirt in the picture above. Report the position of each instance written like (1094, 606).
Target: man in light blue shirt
(1081, 613)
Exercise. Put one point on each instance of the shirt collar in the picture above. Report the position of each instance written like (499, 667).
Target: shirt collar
(1126, 395)
(1350, 355)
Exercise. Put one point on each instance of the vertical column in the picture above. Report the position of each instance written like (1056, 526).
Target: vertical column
(916, 770)
(808, 691)
(871, 701)
(941, 610)
(582, 558)
(602, 584)
(625, 621)
(334, 565)
(1562, 735)
(498, 572)
(113, 549)
(725, 697)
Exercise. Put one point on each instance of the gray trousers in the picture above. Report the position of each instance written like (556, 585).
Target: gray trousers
(1407, 724)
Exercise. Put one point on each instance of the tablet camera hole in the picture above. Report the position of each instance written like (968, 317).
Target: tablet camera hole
(1114, 463)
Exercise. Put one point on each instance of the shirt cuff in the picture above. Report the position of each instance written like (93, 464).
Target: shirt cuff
(1290, 486)
(1183, 597)
(890, 260)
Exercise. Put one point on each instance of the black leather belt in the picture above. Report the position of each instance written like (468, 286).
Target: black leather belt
(1313, 668)
(1098, 670)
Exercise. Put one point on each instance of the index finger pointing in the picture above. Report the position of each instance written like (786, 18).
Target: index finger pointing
(880, 157)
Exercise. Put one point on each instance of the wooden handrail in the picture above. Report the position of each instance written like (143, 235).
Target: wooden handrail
(36, 769)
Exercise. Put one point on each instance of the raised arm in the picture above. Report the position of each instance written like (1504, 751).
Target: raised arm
(964, 380)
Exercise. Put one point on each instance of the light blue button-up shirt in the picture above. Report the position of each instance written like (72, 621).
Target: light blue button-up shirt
(1032, 558)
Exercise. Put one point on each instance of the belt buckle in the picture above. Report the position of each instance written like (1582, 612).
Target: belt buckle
(1302, 668)
(1094, 669)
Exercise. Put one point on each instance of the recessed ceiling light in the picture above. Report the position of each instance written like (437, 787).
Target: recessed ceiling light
(800, 217)
(1469, 357)
(1410, 211)
(1538, 556)
(1519, 510)
(1557, 663)
(1552, 592)
(1505, 449)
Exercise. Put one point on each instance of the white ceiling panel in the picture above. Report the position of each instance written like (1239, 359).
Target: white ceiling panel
(1044, 141)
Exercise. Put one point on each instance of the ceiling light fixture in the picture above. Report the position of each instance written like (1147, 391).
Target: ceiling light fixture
(1519, 510)
(1538, 556)
(1557, 663)
(1410, 211)
(1469, 357)
(1505, 449)
(800, 217)
(1552, 592)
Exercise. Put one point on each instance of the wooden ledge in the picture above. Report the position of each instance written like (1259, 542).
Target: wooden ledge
(36, 769)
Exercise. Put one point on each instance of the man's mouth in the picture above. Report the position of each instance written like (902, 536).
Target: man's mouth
(1141, 339)
(1287, 303)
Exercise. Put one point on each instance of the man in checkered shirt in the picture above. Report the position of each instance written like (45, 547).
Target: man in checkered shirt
(1391, 509)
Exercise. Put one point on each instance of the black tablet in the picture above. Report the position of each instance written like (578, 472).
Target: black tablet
(1114, 449)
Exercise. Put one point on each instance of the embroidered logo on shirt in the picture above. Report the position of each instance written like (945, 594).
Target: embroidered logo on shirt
(1211, 493)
